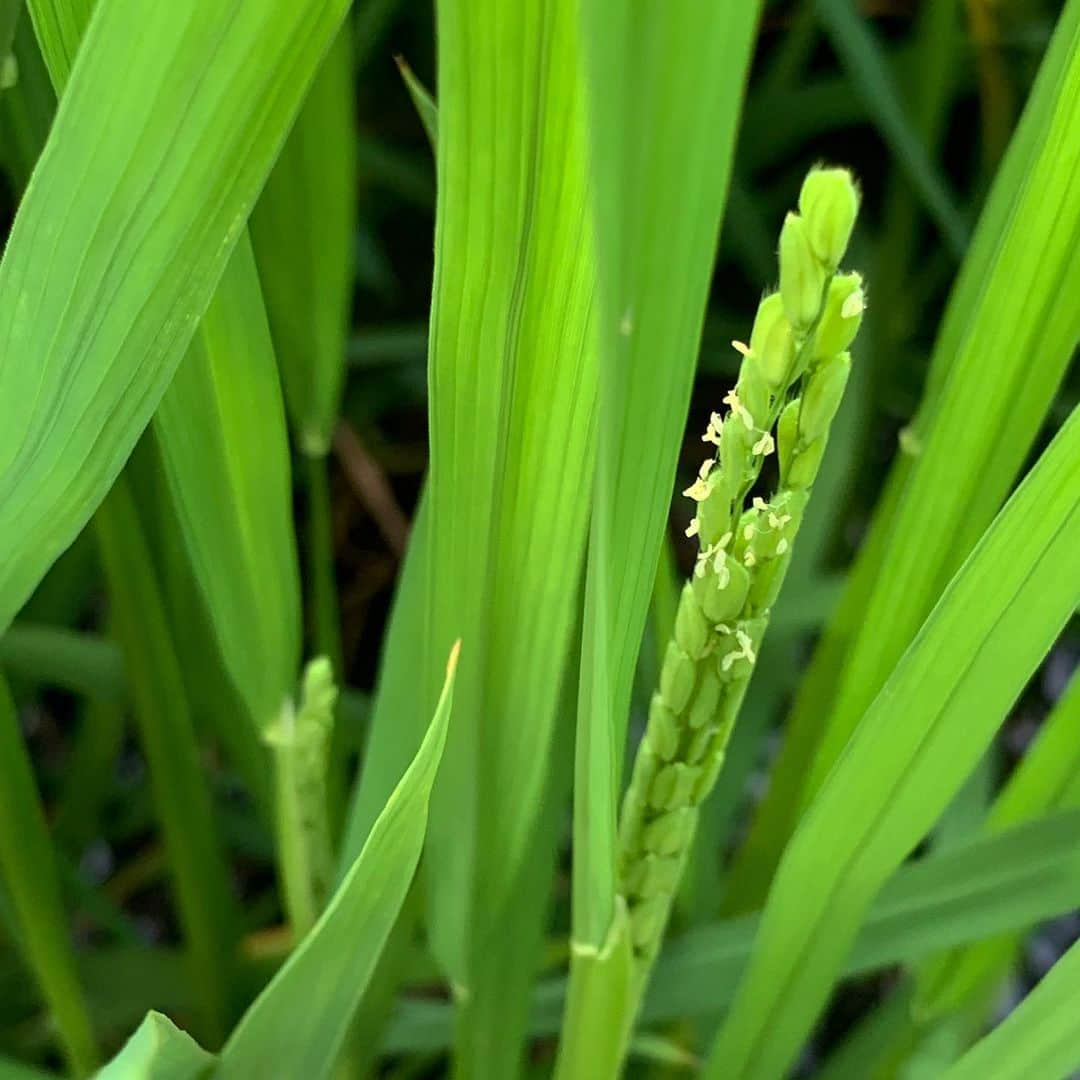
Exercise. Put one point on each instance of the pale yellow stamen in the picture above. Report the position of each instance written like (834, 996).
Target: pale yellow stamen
(764, 446)
(854, 305)
(741, 347)
(712, 432)
(731, 399)
(745, 651)
(698, 490)
(693, 527)
(723, 574)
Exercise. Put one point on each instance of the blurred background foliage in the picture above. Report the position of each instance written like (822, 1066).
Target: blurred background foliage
(918, 97)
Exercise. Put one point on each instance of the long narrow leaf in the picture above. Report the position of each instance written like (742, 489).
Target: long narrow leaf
(158, 1051)
(925, 732)
(205, 903)
(1042, 780)
(30, 879)
(95, 316)
(1040, 1038)
(221, 432)
(302, 230)
(298, 1023)
(512, 389)
(661, 139)
(1001, 352)
(986, 886)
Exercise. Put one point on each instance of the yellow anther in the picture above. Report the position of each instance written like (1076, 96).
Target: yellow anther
(854, 305)
(764, 446)
(693, 527)
(723, 574)
(712, 432)
(745, 651)
(698, 490)
(741, 347)
(731, 399)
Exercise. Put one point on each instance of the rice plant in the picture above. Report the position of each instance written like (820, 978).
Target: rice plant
(636, 639)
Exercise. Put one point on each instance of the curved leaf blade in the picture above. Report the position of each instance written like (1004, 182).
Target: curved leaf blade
(115, 252)
(297, 1024)
(913, 749)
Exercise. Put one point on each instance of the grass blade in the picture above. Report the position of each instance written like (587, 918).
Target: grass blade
(1042, 780)
(512, 388)
(298, 1023)
(422, 101)
(983, 405)
(302, 229)
(946, 499)
(925, 732)
(228, 476)
(29, 874)
(1040, 1038)
(26, 109)
(986, 886)
(58, 657)
(205, 904)
(158, 1051)
(660, 187)
(220, 84)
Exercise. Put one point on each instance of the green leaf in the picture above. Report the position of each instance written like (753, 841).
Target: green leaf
(600, 999)
(985, 401)
(395, 730)
(913, 749)
(653, 208)
(221, 432)
(1042, 780)
(159, 1050)
(205, 903)
(303, 229)
(30, 879)
(972, 446)
(512, 376)
(1040, 1038)
(59, 26)
(116, 294)
(58, 657)
(1014, 880)
(297, 1024)
(229, 472)
(422, 101)
(26, 109)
